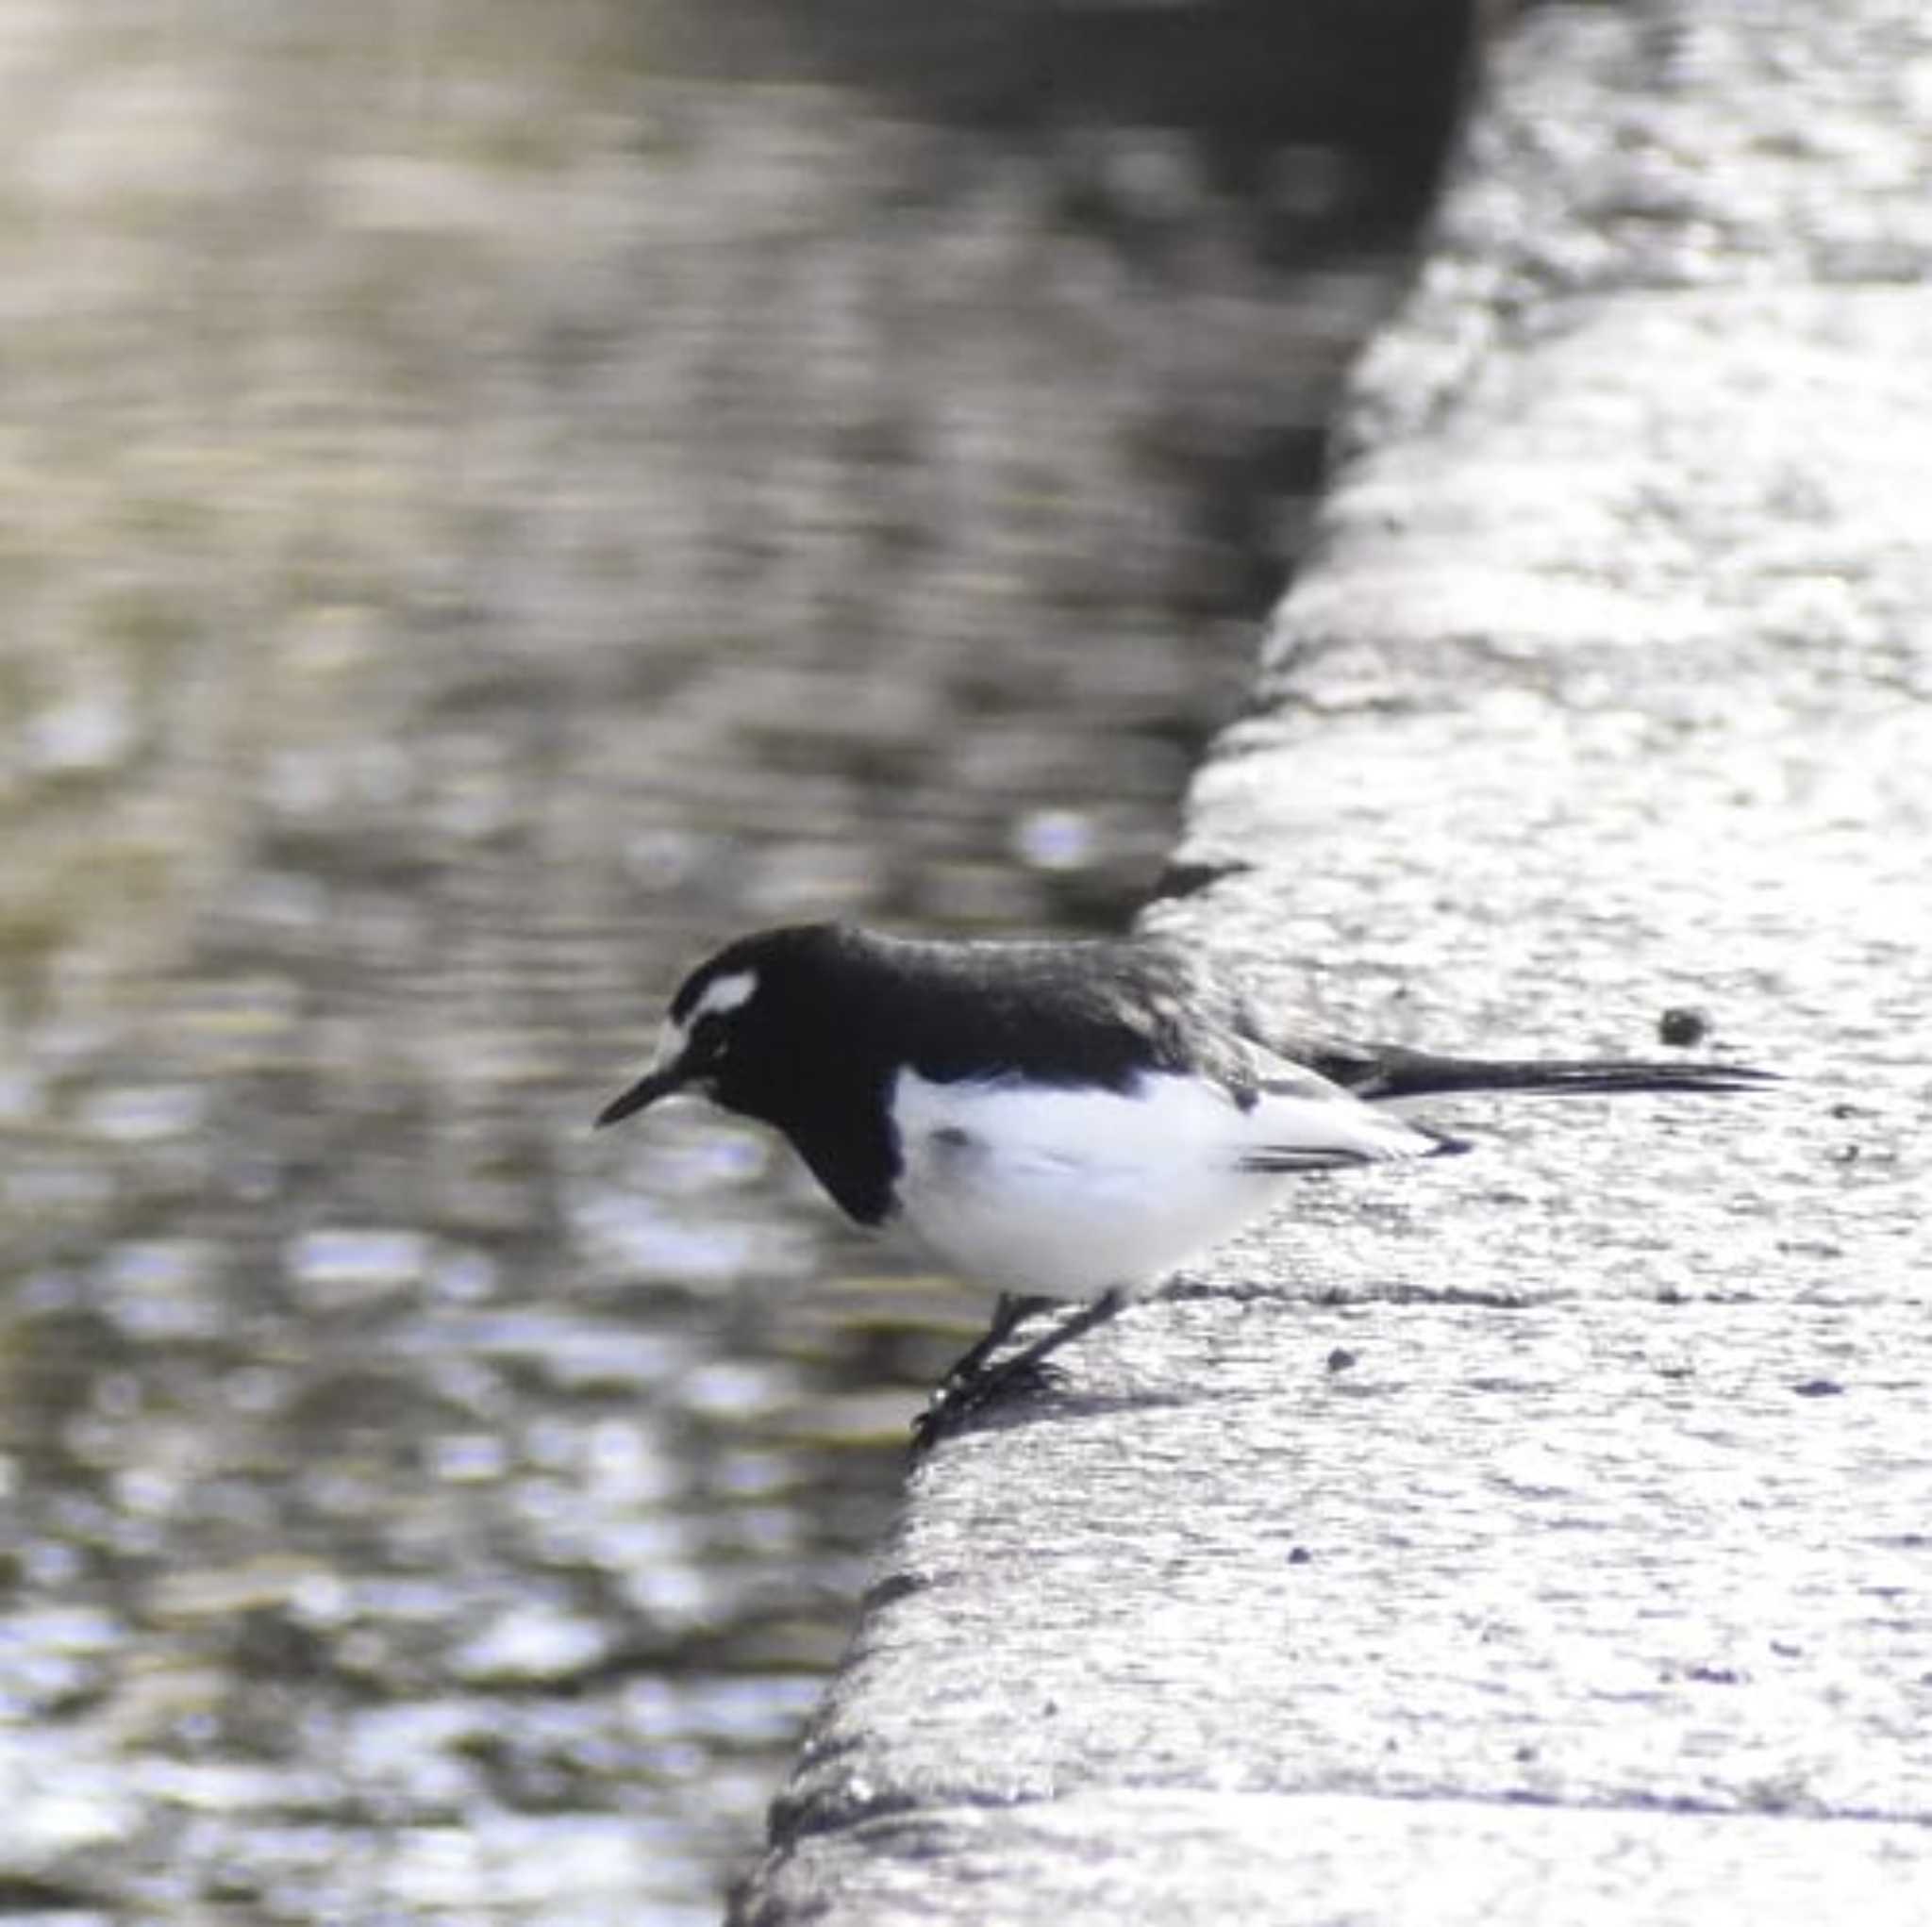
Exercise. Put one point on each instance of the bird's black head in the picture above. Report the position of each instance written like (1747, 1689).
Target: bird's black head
(735, 1024)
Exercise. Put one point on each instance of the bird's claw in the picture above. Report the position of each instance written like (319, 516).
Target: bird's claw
(961, 1399)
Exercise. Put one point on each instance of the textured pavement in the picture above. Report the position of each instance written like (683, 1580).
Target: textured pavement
(1544, 1535)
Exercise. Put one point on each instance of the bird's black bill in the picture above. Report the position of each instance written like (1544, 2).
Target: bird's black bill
(646, 1091)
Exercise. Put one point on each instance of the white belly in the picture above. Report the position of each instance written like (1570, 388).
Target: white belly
(1070, 1193)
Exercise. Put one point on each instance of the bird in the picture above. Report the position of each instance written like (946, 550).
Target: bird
(1064, 1120)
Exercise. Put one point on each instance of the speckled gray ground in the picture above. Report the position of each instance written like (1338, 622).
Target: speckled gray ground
(1544, 1536)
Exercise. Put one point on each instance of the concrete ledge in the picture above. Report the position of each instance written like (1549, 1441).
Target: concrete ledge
(1188, 1857)
(1546, 1535)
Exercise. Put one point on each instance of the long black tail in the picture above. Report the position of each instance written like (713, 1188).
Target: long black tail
(1392, 1074)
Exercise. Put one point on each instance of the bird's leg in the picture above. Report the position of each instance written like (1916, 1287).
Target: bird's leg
(1011, 1310)
(958, 1398)
(1083, 1320)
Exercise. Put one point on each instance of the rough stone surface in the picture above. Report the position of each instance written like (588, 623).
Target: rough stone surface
(1192, 1857)
(1544, 1535)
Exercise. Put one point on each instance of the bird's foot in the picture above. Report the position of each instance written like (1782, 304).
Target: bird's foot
(972, 1385)
(958, 1400)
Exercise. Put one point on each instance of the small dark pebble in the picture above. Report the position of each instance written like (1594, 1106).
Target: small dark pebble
(1683, 1023)
(1817, 1388)
(1341, 1358)
(1300, 1556)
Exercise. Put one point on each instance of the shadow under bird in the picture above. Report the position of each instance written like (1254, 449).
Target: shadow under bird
(1058, 1121)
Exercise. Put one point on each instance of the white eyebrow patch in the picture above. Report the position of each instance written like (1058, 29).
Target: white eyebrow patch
(728, 994)
(723, 994)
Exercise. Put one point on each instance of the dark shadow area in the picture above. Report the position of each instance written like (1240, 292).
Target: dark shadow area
(1242, 76)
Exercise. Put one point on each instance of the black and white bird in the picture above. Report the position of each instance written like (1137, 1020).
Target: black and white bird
(1055, 1120)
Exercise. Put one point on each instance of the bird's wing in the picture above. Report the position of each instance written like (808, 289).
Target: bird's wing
(1301, 1121)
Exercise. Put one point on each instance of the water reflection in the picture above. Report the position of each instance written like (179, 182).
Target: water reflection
(482, 523)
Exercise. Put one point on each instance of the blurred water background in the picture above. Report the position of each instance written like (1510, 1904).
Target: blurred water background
(494, 497)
